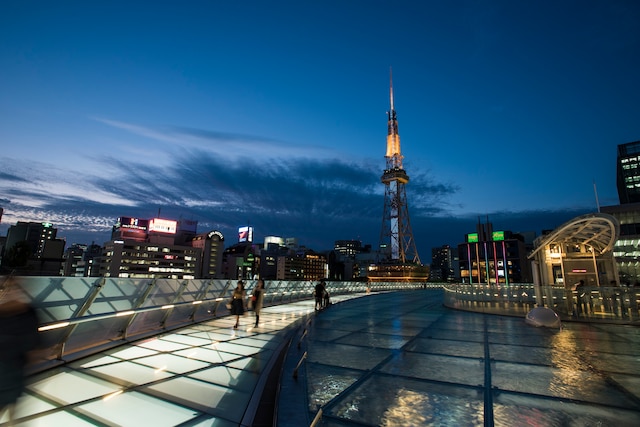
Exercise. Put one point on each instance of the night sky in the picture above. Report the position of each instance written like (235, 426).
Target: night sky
(273, 113)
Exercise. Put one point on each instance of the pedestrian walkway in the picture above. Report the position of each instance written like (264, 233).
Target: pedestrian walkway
(403, 359)
(393, 359)
(202, 375)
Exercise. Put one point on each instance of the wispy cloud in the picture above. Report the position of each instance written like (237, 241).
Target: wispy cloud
(226, 144)
(317, 200)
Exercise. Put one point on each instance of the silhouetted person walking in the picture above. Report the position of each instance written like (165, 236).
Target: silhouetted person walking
(319, 294)
(18, 336)
(257, 298)
(238, 302)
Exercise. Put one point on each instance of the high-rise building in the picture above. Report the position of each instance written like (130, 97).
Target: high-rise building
(401, 260)
(79, 260)
(211, 245)
(73, 264)
(628, 172)
(347, 248)
(626, 250)
(273, 249)
(441, 264)
(241, 261)
(140, 260)
(303, 266)
(32, 249)
(147, 248)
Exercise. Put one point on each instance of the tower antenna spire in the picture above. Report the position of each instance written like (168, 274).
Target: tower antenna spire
(391, 87)
(397, 245)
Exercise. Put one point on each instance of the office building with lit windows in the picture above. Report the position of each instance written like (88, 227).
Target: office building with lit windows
(348, 248)
(628, 172)
(302, 266)
(211, 245)
(626, 250)
(79, 260)
(31, 248)
(442, 264)
(146, 248)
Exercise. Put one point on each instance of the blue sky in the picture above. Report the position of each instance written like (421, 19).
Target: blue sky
(273, 113)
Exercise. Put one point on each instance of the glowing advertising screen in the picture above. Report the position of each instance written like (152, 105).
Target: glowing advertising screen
(132, 223)
(163, 225)
(497, 236)
(472, 238)
(245, 234)
(215, 233)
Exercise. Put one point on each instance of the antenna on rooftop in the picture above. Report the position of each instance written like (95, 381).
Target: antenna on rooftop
(595, 190)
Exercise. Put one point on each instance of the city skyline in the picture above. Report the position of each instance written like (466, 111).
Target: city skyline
(274, 115)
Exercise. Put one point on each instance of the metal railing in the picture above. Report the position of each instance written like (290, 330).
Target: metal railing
(613, 304)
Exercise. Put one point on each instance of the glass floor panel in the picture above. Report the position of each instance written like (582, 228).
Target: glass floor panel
(389, 359)
(450, 367)
(201, 375)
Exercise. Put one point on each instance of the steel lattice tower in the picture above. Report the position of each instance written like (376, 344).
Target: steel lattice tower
(396, 227)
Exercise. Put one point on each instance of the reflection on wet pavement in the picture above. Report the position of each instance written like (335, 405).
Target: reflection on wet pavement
(403, 359)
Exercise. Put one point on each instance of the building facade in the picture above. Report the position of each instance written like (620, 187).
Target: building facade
(628, 172)
(211, 246)
(580, 249)
(305, 266)
(626, 250)
(79, 260)
(32, 248)
(493, 257)
(442, 264)
(146, 248)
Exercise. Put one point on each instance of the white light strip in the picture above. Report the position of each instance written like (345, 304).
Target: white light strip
(124, 313)
(54, 326)
(112, 395)
(165, 307)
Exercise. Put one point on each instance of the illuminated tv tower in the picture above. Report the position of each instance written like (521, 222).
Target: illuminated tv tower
(396, 228)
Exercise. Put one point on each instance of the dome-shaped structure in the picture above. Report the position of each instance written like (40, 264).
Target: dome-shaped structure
(598, 230)
(580, 249)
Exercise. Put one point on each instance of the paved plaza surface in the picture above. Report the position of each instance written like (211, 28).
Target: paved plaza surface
(402, 359)
(382, 359)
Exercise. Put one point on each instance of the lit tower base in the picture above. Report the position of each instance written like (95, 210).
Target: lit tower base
(400, 260)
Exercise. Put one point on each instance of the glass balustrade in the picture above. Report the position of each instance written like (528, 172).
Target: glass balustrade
(82, 315)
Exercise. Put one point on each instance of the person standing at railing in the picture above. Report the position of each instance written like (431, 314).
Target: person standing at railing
(257, 299)
(319, 294)
(326, 298)
(238, 298)
(582, 296)
(568, 293)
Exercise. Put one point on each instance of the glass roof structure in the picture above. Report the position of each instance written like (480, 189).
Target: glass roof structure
(598, 230)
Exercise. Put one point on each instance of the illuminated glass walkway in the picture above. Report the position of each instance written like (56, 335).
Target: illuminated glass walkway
(202, 375)
(402, 359)
(394, 359)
